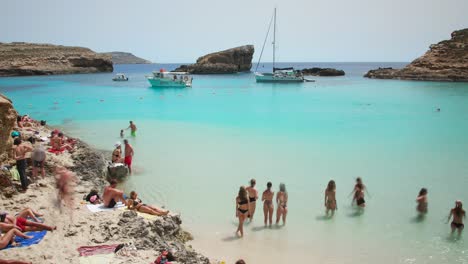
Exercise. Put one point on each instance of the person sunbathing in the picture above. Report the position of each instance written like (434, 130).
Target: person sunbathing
(9, 238)
(134, 203)
(112, 196)
(23, 225)
(25, 213)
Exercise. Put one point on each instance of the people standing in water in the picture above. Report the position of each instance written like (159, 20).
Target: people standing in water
(330, 198)
(422, 202)
(458, 214)
(242, 209)
(267, 199)
(359, 196)
(253, 196)
(133, 129)
(128, 155)
(282, 204)
(121, 133)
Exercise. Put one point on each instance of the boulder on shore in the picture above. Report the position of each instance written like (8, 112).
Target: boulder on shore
(233, 60)
(7, 122)
(21, 59)
(119, 57)
(444, 61)
(322, 72)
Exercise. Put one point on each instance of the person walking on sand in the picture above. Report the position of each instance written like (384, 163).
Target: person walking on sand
(38, 157)
(132, 128)
(267, 199)
(112, 196)
(128, 155)
(422, 202)
(242, 209)
(282, 204)
(20, 157)
(253, 196)
(330, 198)
(65, 181)
(458, 215)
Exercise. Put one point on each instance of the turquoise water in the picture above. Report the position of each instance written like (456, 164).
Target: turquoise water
(196, 146)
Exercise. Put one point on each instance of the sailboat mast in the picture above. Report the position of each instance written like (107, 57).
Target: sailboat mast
(274, 39)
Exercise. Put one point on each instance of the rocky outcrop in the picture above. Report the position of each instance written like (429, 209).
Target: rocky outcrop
(7, 121)
(445, 61)
(119, 57)
(21, 59)
(228, 61)
(322, 72)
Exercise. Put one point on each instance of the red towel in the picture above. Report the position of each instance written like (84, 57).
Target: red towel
(56, 152)
(95, 250)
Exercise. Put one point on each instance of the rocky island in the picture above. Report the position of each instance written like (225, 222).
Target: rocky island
(119, 57)
(445, 61)
(21, 59)
(233, 60)
(322, 72)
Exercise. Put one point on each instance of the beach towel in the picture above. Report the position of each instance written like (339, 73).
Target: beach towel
(56, 152)
(98, 259)
(96, 250)
(36, 238)
(101, 208)
(14, 173)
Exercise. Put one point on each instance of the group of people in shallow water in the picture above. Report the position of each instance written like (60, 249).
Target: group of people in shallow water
(246, 203)
(247, 197)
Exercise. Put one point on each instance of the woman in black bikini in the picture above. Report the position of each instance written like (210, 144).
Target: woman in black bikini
(242, 209)
(267, 199)
(458, 215)
(359, 195)
(134, 203)
(253, 196)
(282, 202)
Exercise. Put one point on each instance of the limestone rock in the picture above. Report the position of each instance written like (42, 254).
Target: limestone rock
(233, 60)
(126, 58)
(20, 59)
(7, 121)
(444, 61)
(323, 72)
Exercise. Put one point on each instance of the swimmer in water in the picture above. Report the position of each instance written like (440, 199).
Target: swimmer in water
(422, 202)
(458, 215)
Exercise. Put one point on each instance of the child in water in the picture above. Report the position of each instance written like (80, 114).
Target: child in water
(121, 133)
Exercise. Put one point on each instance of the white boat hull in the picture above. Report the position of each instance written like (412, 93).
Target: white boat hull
(268, 77)
(166, 82)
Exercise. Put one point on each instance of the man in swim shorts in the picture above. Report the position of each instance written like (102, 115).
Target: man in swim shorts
(112, 195)
(133, 129)
(128, 155)
(20, 156)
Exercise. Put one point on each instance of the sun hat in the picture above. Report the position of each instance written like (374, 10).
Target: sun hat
(117, 144)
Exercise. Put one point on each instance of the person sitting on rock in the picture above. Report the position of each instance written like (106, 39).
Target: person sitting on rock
(134, 203)
(117, 153)
(112, 196)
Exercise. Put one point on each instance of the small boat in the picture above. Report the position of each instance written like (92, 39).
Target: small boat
(280, 75)
(120, 77)
(170, 79)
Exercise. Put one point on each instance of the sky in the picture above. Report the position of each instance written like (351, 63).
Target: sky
(182, 30)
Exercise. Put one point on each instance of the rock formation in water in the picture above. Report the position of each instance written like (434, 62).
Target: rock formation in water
(21, 59)
(126, 58)
(227, 61)
(322, 72)
(445, 61)
(7, 122)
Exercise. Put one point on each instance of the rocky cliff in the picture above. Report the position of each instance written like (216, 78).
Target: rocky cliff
(445, 61)
(20, 59)
(125, 58)
(227, 61)
(322, 72)
(7, 122)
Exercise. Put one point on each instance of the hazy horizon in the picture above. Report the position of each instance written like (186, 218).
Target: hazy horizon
(162, 32)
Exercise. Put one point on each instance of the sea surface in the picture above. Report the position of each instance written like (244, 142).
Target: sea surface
(195, 147)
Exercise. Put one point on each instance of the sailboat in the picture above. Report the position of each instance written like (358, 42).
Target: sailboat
(280, 75)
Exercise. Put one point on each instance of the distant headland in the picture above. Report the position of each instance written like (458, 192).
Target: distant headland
(233, 60)
(119, 57)
(22, 59)
(444, 61)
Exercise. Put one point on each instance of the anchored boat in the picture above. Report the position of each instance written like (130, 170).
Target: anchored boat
(120, 77)
(170, 79)
(280, 75)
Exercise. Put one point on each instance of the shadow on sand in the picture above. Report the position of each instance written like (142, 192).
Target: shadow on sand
(323, 217)
(231, 238)
(418, 219)
(356, 213)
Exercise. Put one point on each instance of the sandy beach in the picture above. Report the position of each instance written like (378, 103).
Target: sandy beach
(78, 226)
